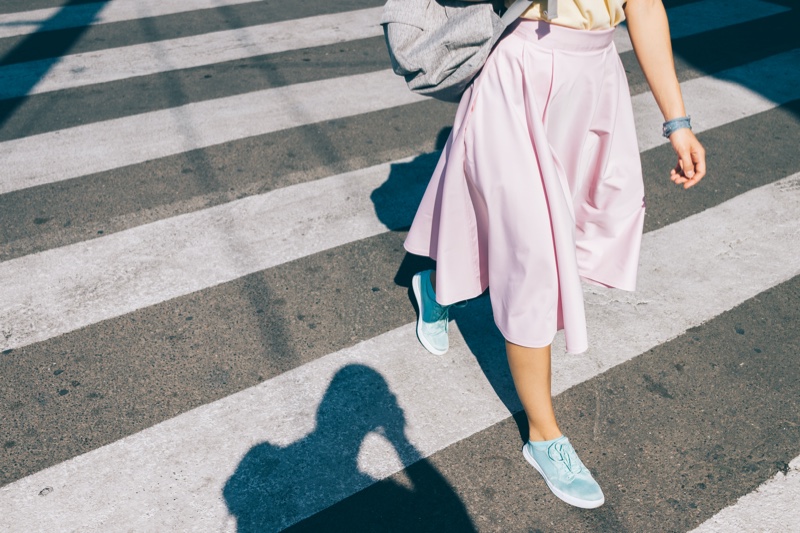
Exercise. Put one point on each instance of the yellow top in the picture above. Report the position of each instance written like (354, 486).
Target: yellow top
(580, 14)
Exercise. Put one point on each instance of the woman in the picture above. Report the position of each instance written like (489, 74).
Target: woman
(540, 187)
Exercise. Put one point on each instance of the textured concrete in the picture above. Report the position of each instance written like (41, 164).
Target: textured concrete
(688, 398)
(83, 150)
(65, 212)
(729, 175)
(47, 295)
(685, 20)
(467, 385)
(674, 436)
(115, 143)
(709, 52)
(725, 97)
(40, 113)
(56, 43)
(143, 277)
(19, 6)
(26, 22)
(771, 507)
(77, 392)
(114, 64)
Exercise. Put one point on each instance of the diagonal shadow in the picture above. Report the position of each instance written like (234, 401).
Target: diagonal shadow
(34, 71)
(264, 307)
(273, 485)
(724, 53)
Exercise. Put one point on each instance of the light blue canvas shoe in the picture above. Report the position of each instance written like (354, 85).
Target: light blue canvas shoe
(564, 472)
(432, 322)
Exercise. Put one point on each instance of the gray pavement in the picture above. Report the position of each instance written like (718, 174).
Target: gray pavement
(674, 435)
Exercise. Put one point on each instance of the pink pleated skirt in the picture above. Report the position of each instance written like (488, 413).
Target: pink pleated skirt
(539, 185)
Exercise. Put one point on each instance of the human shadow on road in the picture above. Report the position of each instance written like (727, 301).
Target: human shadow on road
(274, 485)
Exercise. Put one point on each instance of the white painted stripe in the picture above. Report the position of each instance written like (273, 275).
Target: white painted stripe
(53, 292)
(699, 17)
(150, 58)
(113, 64)
(771, 508)
(49, 293)
(726, 97)
(102, 146)
(58, 18)
(174, 472)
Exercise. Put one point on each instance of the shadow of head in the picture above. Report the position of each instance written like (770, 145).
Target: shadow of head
(358, 401)
(273, 486)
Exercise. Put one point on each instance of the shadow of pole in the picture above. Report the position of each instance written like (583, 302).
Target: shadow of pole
(264, 308)
(274, 485)
(33, 72)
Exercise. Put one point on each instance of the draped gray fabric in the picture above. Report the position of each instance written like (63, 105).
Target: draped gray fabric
(439, 46)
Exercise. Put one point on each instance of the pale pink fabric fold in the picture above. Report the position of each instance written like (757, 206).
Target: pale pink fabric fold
(539, 185)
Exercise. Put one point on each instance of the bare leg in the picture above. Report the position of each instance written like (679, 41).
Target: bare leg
(530, 368)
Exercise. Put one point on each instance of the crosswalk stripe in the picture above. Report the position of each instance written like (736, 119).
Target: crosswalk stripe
(725, 97)
(714, 14)
(772, 508)
(102, 146)
(64, 295)
(162, 56)
(186, 461)
(279, 313)
(277, 319)
(84, 150)
(88, 104)
(203, 249)
(176, 470)
(673, 435)
(73, 16)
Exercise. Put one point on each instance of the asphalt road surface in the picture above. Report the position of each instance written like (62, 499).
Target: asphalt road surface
(204, 299)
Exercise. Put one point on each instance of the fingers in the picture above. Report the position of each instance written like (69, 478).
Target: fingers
(686, 163)
(676, 175)
(699, 164)
(691, 165)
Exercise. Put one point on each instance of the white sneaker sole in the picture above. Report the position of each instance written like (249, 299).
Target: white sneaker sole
(416, 286)
(572, 500)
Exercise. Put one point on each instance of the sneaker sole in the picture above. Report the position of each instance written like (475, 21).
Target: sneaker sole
(416, 286)
(572, 500)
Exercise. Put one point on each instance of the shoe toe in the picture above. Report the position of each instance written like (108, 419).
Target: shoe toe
(441, 345)
(586, 488)
(438, 340)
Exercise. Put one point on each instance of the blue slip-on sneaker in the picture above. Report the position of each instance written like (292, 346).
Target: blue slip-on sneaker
(564, 472)
(432, 322)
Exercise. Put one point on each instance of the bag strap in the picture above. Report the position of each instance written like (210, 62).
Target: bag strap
(519, 7)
